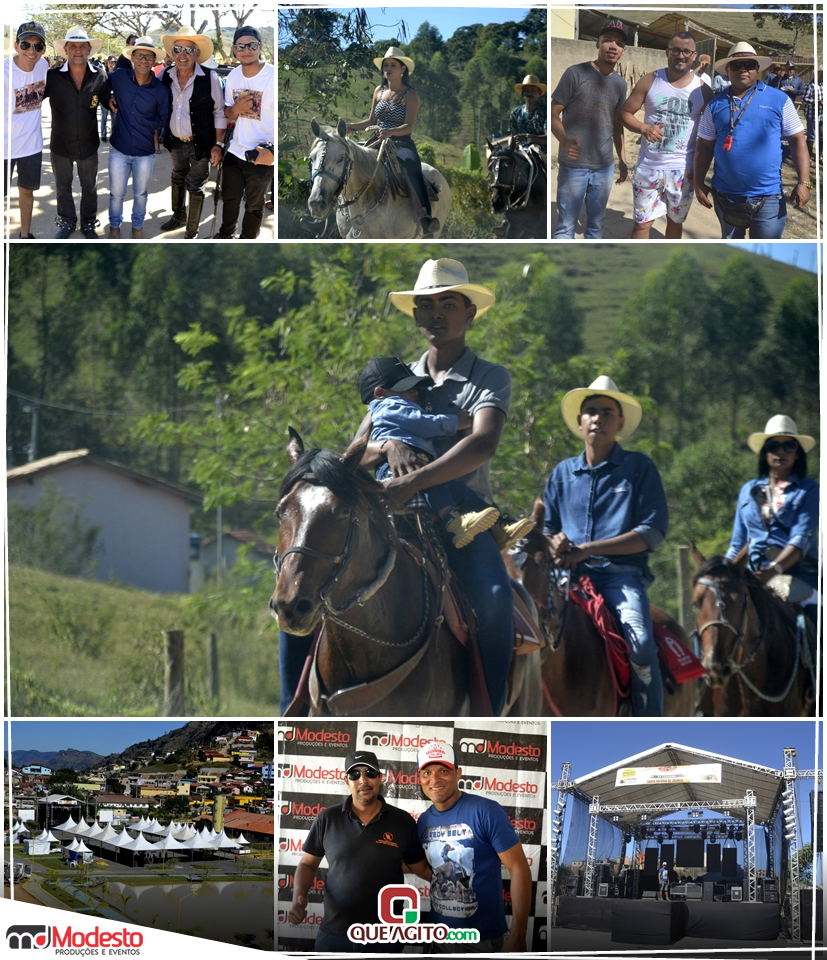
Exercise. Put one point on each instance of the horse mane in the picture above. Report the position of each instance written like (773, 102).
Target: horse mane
(767, 602)
(328, 468)
(718, 566)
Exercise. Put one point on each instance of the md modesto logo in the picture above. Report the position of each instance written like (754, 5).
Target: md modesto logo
(69, 942)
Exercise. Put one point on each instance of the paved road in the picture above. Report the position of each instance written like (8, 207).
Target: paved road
(158, 205)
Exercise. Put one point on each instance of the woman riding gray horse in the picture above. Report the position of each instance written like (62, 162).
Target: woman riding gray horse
(393, 109)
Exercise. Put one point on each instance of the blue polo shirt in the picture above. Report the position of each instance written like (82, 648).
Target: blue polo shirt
(752, 167)
(622, 494)
(142, 109)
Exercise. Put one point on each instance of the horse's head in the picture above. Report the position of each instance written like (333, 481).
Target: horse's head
(336, 542)
(329, 167)
(721, 602)
(502, 173)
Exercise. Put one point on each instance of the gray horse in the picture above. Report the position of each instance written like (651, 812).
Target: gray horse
(352, 178)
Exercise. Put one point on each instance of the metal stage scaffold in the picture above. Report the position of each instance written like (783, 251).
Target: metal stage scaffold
(713, 811)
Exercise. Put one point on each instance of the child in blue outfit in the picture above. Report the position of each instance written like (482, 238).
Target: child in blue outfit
(391, 390)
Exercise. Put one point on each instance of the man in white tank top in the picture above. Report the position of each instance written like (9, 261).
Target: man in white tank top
(673, 100)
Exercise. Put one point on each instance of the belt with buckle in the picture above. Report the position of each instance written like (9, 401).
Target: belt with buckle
(184, 139)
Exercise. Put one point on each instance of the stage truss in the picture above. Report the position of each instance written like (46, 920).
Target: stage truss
(617, 814)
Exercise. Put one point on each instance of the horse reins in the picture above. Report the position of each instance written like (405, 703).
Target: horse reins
(522, 201)
(342, 180)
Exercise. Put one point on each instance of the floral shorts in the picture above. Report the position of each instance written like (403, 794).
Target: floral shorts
(659, 192)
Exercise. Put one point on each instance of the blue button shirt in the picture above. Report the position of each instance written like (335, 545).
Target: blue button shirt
(142, 109)
(621, 495)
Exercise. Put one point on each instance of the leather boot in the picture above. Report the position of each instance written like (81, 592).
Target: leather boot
(114, 233)
(179, 208)
(137, 233)
(194, 215)
(430, 227)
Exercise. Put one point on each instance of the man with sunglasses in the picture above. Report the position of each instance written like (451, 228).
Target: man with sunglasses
(743, 127)
(366, 842)
(673, 100)
(249, 98)
(195, 134)
(25, 86)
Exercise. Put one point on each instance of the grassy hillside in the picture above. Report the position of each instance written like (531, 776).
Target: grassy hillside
(80, 648)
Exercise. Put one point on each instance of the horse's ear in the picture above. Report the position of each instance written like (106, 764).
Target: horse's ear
(489, 143)
(314, 126)
(295, 447)
(511, 143)
(341, 128)
(741, 560)
(352, 457)
(697, 556)
(539, 512)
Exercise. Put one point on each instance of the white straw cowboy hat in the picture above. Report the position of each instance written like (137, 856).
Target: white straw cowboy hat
(76, 35)
(743, 51)
(394, 53)
(780, 426)
(143, 44)
(204, 44)
(604, 387)
(529, 80)
(441, 276)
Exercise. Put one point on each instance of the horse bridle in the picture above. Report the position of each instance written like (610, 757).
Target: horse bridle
(522, 200)
(342, 180)
(716, 586)
(339, 562)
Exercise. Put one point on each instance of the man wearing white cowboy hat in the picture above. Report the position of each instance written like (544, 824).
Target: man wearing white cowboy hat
(195, 135)
(143, 108)
(743, 127)
(777, 514)
(74, 92)
(605, 511)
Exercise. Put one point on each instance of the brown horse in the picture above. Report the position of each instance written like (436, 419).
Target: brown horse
(577, 680)
(757, 656)
(385, 649)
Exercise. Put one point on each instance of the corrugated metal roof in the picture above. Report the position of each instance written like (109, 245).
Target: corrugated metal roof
(58, 460)
(737, 776)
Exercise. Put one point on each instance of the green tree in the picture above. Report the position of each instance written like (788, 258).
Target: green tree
(460, 46)
(796, 17)
(426, 42)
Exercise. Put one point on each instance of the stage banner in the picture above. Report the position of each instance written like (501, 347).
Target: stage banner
(506, 761)
(690, 773)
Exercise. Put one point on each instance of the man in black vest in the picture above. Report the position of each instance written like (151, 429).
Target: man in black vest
(195, 136)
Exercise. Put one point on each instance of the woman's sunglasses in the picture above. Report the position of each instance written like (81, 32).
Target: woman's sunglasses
(25, 45)
(788, 446)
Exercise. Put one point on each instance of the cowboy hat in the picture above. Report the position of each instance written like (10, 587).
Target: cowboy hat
(743, 51)
(780, 426)
(76, 35)
(394, 53)
(530, 81)
(143, 44)
(440, 276)
(604, 387)
(204, 44)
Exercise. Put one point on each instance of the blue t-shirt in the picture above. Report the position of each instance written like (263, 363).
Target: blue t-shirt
(622, 494)
(462, 845)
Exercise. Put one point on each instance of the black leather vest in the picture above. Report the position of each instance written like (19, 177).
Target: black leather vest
(201, 112)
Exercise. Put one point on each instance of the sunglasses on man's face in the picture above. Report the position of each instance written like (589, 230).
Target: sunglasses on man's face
(25, 45)
(252, 45)
(788, 446)
(357, 774)
(179, 49)
(744, 65)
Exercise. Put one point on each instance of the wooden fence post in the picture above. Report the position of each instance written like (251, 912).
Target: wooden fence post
(212, 663)
(174, 676)
(685, 615)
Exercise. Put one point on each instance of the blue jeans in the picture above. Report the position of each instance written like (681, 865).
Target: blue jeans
(767, 224)
(481, 572)
(625, 594)
(120, 167)
(574, 185)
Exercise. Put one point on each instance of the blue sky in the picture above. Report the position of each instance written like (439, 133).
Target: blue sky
(803, 255)
(99, 736)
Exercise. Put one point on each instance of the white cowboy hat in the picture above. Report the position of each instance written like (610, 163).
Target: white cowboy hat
(743, 51)
(204, 44)
(440, 276)
(604, 387)
(76, 35)
(780, 426)
(394, 53)
(143, 44)
(529, 80)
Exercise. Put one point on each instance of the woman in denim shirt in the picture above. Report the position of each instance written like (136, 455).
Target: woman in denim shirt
(777, 513)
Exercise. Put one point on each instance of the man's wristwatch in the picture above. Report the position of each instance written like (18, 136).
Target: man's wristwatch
(218, 143)
(777, 568)
(806, 183)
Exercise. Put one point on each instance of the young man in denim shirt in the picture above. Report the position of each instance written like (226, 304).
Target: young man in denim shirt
(605, 510)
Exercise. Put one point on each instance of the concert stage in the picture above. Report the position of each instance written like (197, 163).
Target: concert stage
(653, 922)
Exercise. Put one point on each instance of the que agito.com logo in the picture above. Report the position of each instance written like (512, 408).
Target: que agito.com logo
(398, 909)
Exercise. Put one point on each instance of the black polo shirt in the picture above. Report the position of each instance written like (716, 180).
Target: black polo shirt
(75, 112)
(362, 858)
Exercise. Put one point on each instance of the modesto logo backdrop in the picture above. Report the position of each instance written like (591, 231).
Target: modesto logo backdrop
(506, 761)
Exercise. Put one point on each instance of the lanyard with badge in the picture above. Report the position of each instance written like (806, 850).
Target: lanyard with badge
(733, 120)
